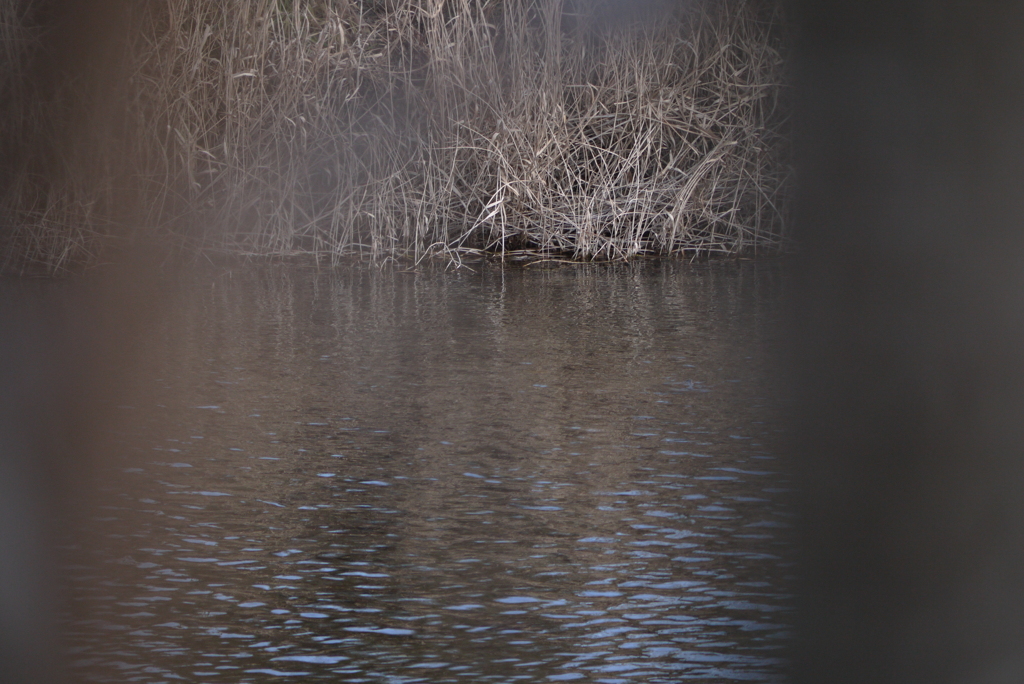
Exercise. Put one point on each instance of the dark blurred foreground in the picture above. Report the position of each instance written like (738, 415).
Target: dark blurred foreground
(908, 341)
(68, 351)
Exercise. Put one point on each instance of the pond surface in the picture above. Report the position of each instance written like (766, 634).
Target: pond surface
(493, 475)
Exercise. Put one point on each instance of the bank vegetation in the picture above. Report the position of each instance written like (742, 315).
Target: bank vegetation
(398, 128)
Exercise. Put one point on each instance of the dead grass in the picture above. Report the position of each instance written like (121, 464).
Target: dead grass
(414, 128)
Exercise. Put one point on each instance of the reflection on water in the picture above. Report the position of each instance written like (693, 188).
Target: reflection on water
(381, 476)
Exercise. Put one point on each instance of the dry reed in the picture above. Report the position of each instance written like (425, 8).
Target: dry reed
(411, 128)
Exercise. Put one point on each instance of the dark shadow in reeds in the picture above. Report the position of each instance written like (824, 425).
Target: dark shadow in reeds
(405, 128)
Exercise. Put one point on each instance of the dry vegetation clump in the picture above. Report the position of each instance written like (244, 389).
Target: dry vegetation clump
(409, 128)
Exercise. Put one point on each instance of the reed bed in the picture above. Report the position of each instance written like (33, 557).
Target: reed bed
(407, 128)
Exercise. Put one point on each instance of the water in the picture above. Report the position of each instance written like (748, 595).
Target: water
(490, 476)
